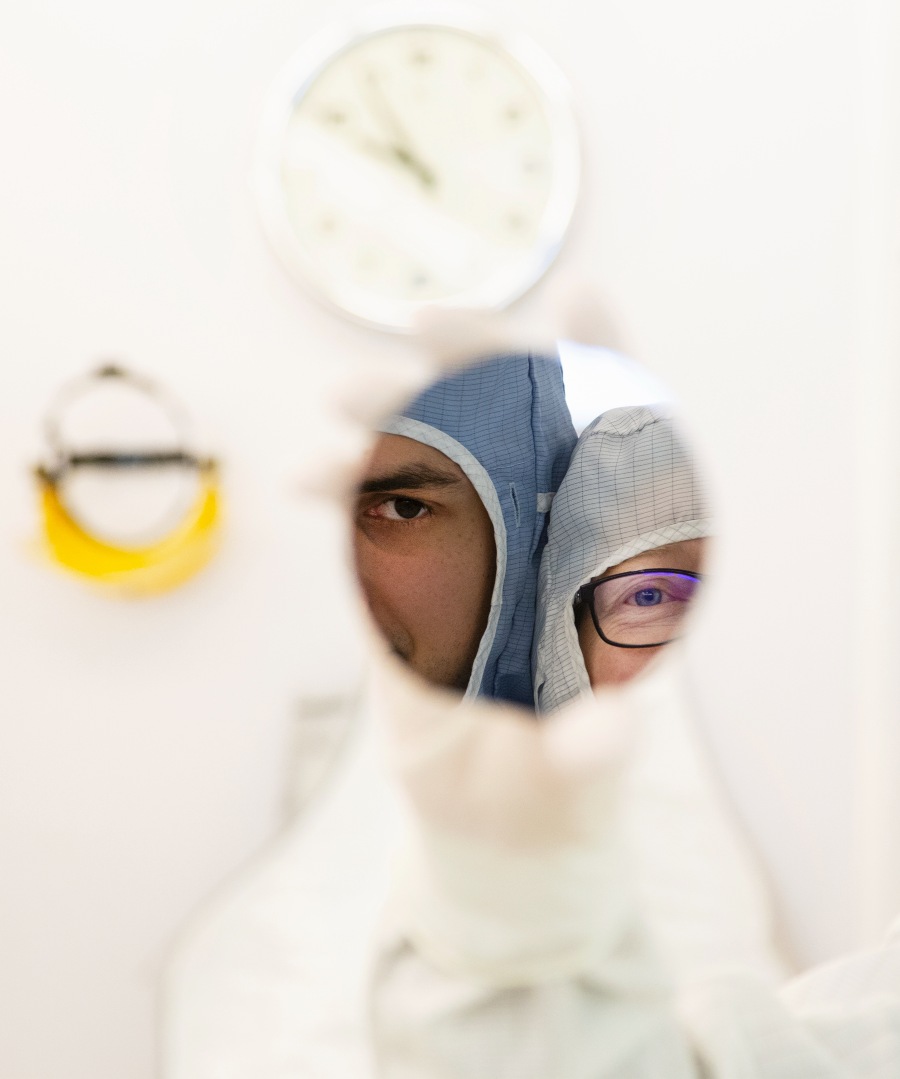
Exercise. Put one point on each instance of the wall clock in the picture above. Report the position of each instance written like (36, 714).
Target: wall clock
(411, 162)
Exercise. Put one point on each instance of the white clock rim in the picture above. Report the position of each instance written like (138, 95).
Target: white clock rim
(498, 291)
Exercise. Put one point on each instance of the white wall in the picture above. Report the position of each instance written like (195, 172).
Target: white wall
(143, 744)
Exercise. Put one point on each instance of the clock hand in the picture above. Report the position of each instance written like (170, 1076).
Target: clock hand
(401, 156)
(401, 148)
(384, 109)
(405, 157)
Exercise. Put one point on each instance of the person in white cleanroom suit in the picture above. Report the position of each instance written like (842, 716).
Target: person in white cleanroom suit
(529, 939)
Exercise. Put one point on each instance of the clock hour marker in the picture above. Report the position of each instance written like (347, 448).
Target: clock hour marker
(419, 279)
(512, 114)
(421, 58)
(334, 117)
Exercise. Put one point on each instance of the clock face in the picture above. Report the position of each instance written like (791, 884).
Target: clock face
(419, 165)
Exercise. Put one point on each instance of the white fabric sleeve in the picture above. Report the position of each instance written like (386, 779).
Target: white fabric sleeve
(431, 1024)
(617, 1019)
(515, 948)
(505, 965)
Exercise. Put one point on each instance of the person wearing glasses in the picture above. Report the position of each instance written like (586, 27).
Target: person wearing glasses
(626, 545)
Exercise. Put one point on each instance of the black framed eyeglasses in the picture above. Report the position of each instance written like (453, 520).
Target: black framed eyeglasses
(641, 608)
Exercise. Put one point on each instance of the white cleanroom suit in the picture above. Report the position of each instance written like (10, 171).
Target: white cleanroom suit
(532, 937)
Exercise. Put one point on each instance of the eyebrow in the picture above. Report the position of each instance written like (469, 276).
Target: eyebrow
(411, 478)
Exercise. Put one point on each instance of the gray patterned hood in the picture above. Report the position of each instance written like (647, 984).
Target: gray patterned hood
(631, 486)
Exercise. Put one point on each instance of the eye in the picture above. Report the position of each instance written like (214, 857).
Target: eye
(648, 597)
(400, 509)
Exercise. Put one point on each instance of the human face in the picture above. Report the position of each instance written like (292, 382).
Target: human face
(608, 665)
(425, 554)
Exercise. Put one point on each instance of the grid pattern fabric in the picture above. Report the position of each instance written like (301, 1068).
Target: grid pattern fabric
(509, 412)
(632, 485)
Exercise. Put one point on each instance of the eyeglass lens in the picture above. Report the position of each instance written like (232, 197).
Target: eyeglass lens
(643, 608)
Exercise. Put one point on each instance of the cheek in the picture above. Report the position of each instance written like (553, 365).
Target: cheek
(392, 581)
(453, 587)
(422, 590)
(429, 590)
(607, 665)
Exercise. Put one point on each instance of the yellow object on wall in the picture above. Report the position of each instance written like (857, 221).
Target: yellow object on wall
(137, 570)
(148, 570)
